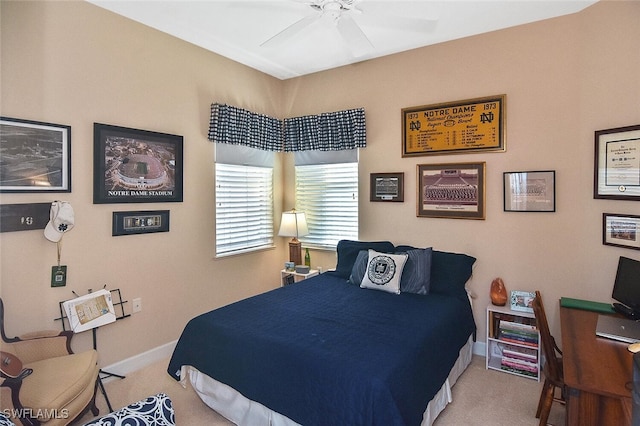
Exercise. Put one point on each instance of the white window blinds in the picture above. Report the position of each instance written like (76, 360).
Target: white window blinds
(328, 195)
(244, 202)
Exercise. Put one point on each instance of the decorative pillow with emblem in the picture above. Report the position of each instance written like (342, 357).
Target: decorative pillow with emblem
(384, 271)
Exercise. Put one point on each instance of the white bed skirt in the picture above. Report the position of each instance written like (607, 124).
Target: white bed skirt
(242, 411)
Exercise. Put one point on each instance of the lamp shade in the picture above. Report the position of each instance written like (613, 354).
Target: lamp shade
(293, 224)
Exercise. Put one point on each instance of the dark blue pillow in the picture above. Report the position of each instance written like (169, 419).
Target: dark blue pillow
(450, 272)
(359, 268)
(348, 252)
(416, 276)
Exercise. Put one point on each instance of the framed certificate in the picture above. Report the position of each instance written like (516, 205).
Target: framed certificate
(617, 163)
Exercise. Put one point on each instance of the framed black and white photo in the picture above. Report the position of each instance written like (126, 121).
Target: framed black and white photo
(621, 230)
(533, 191)
(136, 166)
(140, 222)
(617, 164)
(386, 187)
(453, 190)
(36, 156)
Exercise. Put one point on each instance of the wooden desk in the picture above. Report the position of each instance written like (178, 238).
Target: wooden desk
(597, 372)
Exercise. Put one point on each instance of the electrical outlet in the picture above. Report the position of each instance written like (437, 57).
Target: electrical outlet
(137, 305)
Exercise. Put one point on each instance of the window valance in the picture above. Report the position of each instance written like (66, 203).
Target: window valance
(330, 131)
(237, 126)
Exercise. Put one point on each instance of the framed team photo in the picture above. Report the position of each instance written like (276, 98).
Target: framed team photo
(455, 190)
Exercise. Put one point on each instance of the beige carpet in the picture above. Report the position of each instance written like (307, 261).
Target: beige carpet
(481, 397)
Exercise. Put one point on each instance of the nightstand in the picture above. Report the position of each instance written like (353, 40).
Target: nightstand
(290, 277)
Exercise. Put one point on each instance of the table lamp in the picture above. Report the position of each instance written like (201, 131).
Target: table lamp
(294, 224)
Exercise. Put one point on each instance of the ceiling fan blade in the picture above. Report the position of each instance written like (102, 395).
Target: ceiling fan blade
(290, 32)
(357, 40)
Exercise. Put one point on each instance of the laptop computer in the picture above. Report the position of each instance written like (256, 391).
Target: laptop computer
(621, 329)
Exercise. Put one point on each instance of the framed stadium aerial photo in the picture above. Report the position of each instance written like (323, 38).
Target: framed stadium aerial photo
(35, 156)
(455, 190)
(136, 166)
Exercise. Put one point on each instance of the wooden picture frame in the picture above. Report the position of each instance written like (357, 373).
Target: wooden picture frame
(453, 190)
(617, 164)
(621, 230)
(36, 156)
(136, 166)
(386, 187)
(140, 222)
(471, 125)
(530, 191)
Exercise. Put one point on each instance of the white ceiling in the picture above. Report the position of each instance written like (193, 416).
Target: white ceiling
(238, 29)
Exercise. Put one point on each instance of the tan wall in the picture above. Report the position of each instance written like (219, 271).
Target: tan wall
(73, 63)
(564, 79)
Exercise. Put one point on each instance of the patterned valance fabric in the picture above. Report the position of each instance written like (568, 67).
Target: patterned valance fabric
(237, 126)
(330, 131)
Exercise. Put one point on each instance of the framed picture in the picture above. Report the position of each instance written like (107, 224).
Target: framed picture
(140, 222)
(617, 164)
(136, 166)
(530, 191)
(621, 230)
(455, 190)
(454, 127)
(36, 157)
(387, 187)
(522, 301)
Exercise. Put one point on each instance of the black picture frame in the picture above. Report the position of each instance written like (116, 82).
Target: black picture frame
(386, 187)
(136, 166)
(36, 156)
(140, 222)
(617, 164)
(530, 191)
(621, 230)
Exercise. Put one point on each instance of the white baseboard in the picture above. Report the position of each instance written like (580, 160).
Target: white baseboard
(479, 348)
(139, 361)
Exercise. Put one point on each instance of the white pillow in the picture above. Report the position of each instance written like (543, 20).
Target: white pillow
(384, 271)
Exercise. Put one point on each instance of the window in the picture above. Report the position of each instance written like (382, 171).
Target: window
(327, 192)
(244, 200)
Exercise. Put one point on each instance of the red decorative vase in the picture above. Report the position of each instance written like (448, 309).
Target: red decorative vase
(498, 292)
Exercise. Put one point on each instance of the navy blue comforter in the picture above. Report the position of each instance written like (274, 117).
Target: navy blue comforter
(323, 351)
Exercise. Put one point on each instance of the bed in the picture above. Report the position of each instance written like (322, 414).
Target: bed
(350, 346)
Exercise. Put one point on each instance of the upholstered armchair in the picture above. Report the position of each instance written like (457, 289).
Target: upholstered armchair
(42, 381)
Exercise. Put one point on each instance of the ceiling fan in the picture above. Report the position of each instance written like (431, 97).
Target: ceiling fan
(340, 15)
